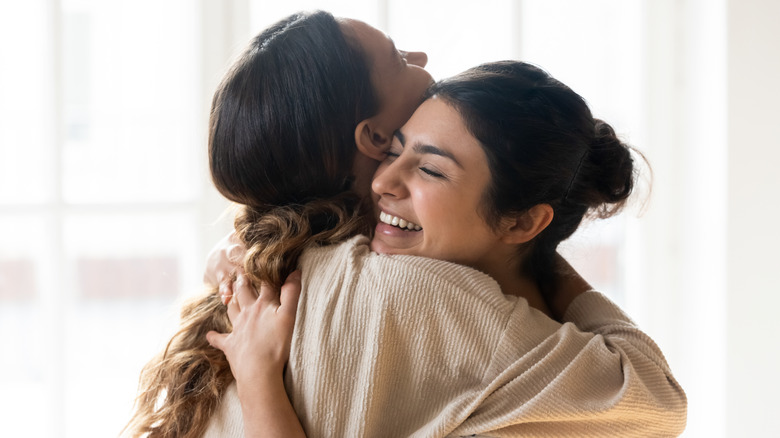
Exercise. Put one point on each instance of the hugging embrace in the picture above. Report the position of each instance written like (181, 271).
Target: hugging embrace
(395, 256)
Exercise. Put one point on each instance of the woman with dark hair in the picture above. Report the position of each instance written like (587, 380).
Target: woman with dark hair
(284, 127)
(442, 330)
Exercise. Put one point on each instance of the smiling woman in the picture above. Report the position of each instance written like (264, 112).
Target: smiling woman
(435, 176)
(495, 177)
(374, 331)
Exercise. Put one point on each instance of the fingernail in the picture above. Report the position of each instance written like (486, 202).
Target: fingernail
(225, 298)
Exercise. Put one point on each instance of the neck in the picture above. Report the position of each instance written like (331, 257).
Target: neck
(513, 282)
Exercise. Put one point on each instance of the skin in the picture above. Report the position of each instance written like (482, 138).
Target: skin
(400, 80)
(435, 176)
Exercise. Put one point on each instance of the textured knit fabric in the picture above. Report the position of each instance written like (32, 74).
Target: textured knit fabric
(395, 346)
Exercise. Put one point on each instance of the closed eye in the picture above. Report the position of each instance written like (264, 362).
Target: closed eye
(432, 173)
(391, 156)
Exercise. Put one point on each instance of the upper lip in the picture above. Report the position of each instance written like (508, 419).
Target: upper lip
(390, 212)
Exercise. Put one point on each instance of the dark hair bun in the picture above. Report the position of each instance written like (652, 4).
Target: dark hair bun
(608, 174)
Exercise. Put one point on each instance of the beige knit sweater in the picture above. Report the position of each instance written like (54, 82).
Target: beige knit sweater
(396, 346)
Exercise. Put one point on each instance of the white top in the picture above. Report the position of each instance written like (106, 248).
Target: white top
(408, 346)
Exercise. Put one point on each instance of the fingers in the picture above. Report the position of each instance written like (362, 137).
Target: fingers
(225, 287)
(216, 340)
(244, 295)
(244, 292)
(268, 295)
(214, 261)
(233, 310)
(234, 249)
(235, 253)
(291, 292)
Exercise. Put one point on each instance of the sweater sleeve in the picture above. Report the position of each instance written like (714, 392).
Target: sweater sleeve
(597, 375)
(227, 421)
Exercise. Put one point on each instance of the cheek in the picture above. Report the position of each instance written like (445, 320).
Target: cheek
(446, 216)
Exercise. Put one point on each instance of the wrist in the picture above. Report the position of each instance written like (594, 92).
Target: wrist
(260, 388)
(258, 379)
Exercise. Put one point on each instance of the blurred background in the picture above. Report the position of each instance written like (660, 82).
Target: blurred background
(107, 211)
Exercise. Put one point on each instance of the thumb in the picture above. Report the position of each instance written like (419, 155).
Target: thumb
(216, 340)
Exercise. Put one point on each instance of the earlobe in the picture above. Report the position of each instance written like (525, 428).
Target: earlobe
(528, 225)
(370, 141)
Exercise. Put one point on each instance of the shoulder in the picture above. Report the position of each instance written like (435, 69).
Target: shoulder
(351, 250)
(592, 310)
(354, 258)
(353, 261)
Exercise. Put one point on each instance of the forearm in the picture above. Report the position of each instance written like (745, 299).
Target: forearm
(267, 410)
(598, 372)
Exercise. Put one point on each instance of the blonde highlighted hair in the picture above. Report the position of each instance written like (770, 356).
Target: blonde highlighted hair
(180, 388)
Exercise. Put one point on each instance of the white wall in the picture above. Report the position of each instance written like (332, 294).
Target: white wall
(753, 349)
(679, 277)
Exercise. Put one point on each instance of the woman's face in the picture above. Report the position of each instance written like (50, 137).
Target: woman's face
(399, 77)
(429, 191)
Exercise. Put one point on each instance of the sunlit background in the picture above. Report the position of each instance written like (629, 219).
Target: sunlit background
(107, 212)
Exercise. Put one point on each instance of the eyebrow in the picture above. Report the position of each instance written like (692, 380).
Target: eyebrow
(426, 148)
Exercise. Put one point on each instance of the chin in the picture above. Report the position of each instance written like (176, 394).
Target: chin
(380, 248)
(376, 247)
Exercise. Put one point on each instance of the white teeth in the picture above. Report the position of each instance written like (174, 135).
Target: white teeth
(398, 222)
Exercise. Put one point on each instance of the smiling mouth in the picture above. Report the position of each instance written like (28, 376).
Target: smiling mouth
(396, 221)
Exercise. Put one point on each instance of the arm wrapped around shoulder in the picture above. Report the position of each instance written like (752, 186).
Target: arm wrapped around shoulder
(597, 375)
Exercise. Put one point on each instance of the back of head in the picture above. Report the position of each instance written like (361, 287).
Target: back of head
(543, 146)
(283, 119)
(281, 134)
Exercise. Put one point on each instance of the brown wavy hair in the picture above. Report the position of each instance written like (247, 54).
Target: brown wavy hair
(281, 144)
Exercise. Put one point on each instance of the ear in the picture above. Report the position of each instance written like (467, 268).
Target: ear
(372, 141)
(525, 227)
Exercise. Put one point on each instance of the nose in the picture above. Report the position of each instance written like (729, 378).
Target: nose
(419, 59)
(388, 181)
